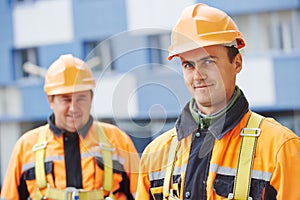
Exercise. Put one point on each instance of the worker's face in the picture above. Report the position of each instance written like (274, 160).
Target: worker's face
(71, 111)
(210, 77)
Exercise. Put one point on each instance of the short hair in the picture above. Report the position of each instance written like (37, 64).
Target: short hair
(232, 52)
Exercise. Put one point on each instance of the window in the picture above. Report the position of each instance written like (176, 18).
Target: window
(99, 55)
(158, 48)
(20, 2)
(21, 56)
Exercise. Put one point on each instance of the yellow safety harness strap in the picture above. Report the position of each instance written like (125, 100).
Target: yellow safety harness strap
(71, 193)
(243, 175)
(168, 180)
(39, 150)
(106, 151)
(91, 195)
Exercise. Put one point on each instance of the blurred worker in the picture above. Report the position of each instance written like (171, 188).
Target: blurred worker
(73, 156)
(219, 148)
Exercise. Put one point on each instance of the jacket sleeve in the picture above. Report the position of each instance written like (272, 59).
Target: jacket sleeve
(143, 189)
(285, 178)
(132, 166)
(127, 150)
(13, 175)
(143, 185)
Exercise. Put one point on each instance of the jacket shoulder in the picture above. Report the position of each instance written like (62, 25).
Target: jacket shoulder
(113, 130)
(163, 141)
(32, 135)
(273, 128)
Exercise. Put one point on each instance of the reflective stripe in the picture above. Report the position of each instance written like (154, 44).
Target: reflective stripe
(161, 174)
(48, 159)
(256, 174)
(115, 157)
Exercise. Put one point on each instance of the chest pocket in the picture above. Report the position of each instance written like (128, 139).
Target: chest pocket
(157, 192)
(223, 185)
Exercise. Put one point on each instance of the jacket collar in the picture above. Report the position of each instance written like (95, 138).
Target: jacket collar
(186, 124)
(57, 131)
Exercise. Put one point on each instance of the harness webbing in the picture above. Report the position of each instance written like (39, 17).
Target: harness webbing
(244, 169)
(106, 150)
(40, 174)
(170, 167)
(71, 193)
(243, 175)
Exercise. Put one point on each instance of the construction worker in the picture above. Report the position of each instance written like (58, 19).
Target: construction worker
(73, 156)
(219, 148)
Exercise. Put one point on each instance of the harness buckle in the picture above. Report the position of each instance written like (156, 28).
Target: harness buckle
(172, 195)
(252, 132)
(73, 192)
(39, 146)
(231, 197)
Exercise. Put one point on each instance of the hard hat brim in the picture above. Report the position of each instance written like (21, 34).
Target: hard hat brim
(218, 38)
(70, 89)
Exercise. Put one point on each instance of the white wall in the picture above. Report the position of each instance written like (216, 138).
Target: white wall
(115, 96)
(154, 13)
(257, 81)
(43, 22)
(10, 102)
(9, 134)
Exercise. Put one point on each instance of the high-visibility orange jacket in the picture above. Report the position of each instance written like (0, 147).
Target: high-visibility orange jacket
(62, 171)
(206, 159)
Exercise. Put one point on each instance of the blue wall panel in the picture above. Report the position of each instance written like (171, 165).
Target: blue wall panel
(34, 102)
(99, 19)
(287, 81)
(130, 52)
(165, 90)
(6, 40)
(49, 53)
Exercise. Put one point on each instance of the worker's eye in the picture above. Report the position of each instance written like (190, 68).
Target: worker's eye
(81, 99)
(209, 62)
(187, 65)
(65, 99)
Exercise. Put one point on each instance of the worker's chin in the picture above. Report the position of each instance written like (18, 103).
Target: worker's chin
(73, 125)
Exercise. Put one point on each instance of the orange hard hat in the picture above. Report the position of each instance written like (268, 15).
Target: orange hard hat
(201, 25)
(68, 74)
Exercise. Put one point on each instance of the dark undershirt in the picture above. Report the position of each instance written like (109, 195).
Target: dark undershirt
(72, 160)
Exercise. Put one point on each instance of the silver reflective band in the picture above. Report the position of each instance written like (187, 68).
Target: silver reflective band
(39, 146)
(254, 132)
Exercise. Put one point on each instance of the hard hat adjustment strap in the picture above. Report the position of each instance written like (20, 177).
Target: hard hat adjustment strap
(243, 175)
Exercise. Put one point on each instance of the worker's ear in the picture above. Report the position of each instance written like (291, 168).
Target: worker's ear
(238, 63)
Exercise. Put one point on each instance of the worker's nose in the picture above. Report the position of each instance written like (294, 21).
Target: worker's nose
(199, 73)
